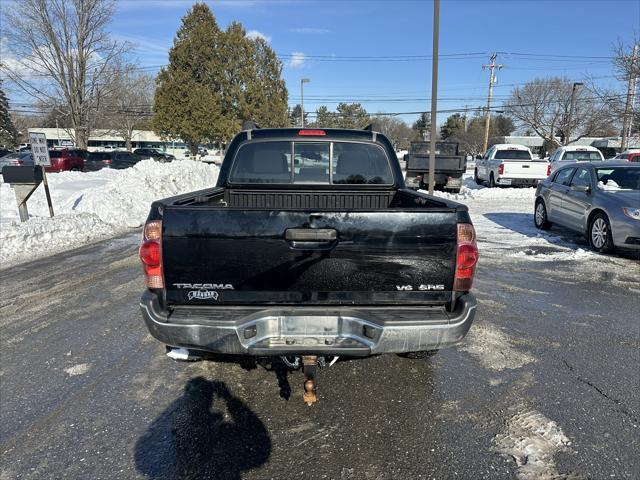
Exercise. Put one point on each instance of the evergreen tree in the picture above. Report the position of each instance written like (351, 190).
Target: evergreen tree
(294, 116)
(188, 102)
(215, 80)
(422, 126)
(267, 90)
(352, 115)
(453, 126)
(501, 126)
(325, 118)
(8, 131)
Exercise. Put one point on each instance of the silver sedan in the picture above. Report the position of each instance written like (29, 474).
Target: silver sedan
(601, 201)
(23, 159)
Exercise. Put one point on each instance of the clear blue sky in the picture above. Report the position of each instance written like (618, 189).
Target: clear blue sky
(392, 28)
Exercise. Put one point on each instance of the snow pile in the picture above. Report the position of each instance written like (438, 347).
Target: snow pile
(610, 185)
(472, 191)
(92, 205)
(503, 218)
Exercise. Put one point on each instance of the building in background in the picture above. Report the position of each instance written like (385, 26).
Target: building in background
(107, 139)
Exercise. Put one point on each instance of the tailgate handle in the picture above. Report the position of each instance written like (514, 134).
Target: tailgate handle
(311, 238)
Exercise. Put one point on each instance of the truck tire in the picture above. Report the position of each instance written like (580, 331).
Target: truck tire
(419, 354)
(600, 237)
(476, 178)
(540, 216)
(492, 181)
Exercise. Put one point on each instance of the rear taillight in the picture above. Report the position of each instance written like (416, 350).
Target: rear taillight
(16, 162)
(107, 161)
(501, 169)
(151, 254)
(548, 170)
(466, 257)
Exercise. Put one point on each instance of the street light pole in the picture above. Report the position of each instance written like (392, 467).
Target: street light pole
(572, 106)
(302, 82)
(434, 95)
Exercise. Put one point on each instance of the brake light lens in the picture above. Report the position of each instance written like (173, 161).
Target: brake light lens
(501, 169)
(312, 132)
(16, 162)
(466, 258)
(548, 170)
(107, 161)
(151, 254)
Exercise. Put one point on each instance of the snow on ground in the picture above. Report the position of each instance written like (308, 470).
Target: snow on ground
(92, 205)
(503, 218)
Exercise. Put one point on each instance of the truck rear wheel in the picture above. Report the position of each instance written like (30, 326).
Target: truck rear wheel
(419, 354)
(492, 181)
(476, 178)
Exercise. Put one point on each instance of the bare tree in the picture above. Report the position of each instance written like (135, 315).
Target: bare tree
(625, 68)
(131, 103)
(624, 64)
(545, 106)
(396, 130)
(61, 53)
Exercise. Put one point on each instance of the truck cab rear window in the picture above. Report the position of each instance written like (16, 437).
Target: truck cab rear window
(512, 155)
(311, 163)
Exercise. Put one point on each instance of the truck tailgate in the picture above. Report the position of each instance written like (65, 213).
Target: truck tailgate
(452, 163)
(236, 256)
(525, 169)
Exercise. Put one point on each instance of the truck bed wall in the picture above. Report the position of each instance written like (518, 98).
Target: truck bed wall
(309, 199)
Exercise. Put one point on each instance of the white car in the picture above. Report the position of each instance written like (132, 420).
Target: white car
(510, 165)
(572, 154)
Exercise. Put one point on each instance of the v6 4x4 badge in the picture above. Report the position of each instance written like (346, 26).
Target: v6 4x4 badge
(202, 295)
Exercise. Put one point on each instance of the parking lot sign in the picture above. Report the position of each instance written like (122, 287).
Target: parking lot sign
(39, 149)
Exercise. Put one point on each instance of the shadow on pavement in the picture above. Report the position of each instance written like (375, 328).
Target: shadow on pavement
(523, 223)
(206, 433)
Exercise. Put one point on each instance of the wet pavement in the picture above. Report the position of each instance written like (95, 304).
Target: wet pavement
(546, 385)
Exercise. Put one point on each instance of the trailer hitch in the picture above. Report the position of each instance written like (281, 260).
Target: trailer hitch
(310, 370)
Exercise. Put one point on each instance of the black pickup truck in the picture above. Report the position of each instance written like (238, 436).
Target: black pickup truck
(309, 247)
(450, 166)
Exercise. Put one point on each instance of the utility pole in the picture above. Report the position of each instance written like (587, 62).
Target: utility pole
(628, 109)
(492, 79)
(571, 110)
(434, 95)
(302, 82)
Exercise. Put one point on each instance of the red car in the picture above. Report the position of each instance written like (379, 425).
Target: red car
(66, 159)
(629, 156)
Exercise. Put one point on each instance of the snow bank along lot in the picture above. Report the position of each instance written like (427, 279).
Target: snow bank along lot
(503, 218)
(92, 205)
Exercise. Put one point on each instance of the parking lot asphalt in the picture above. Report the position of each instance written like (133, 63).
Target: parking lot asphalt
(546, 385)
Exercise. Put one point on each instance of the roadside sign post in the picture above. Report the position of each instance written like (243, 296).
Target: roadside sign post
(40, 153)
(24, 181)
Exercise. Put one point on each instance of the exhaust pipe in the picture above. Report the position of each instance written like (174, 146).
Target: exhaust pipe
(181, 354)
